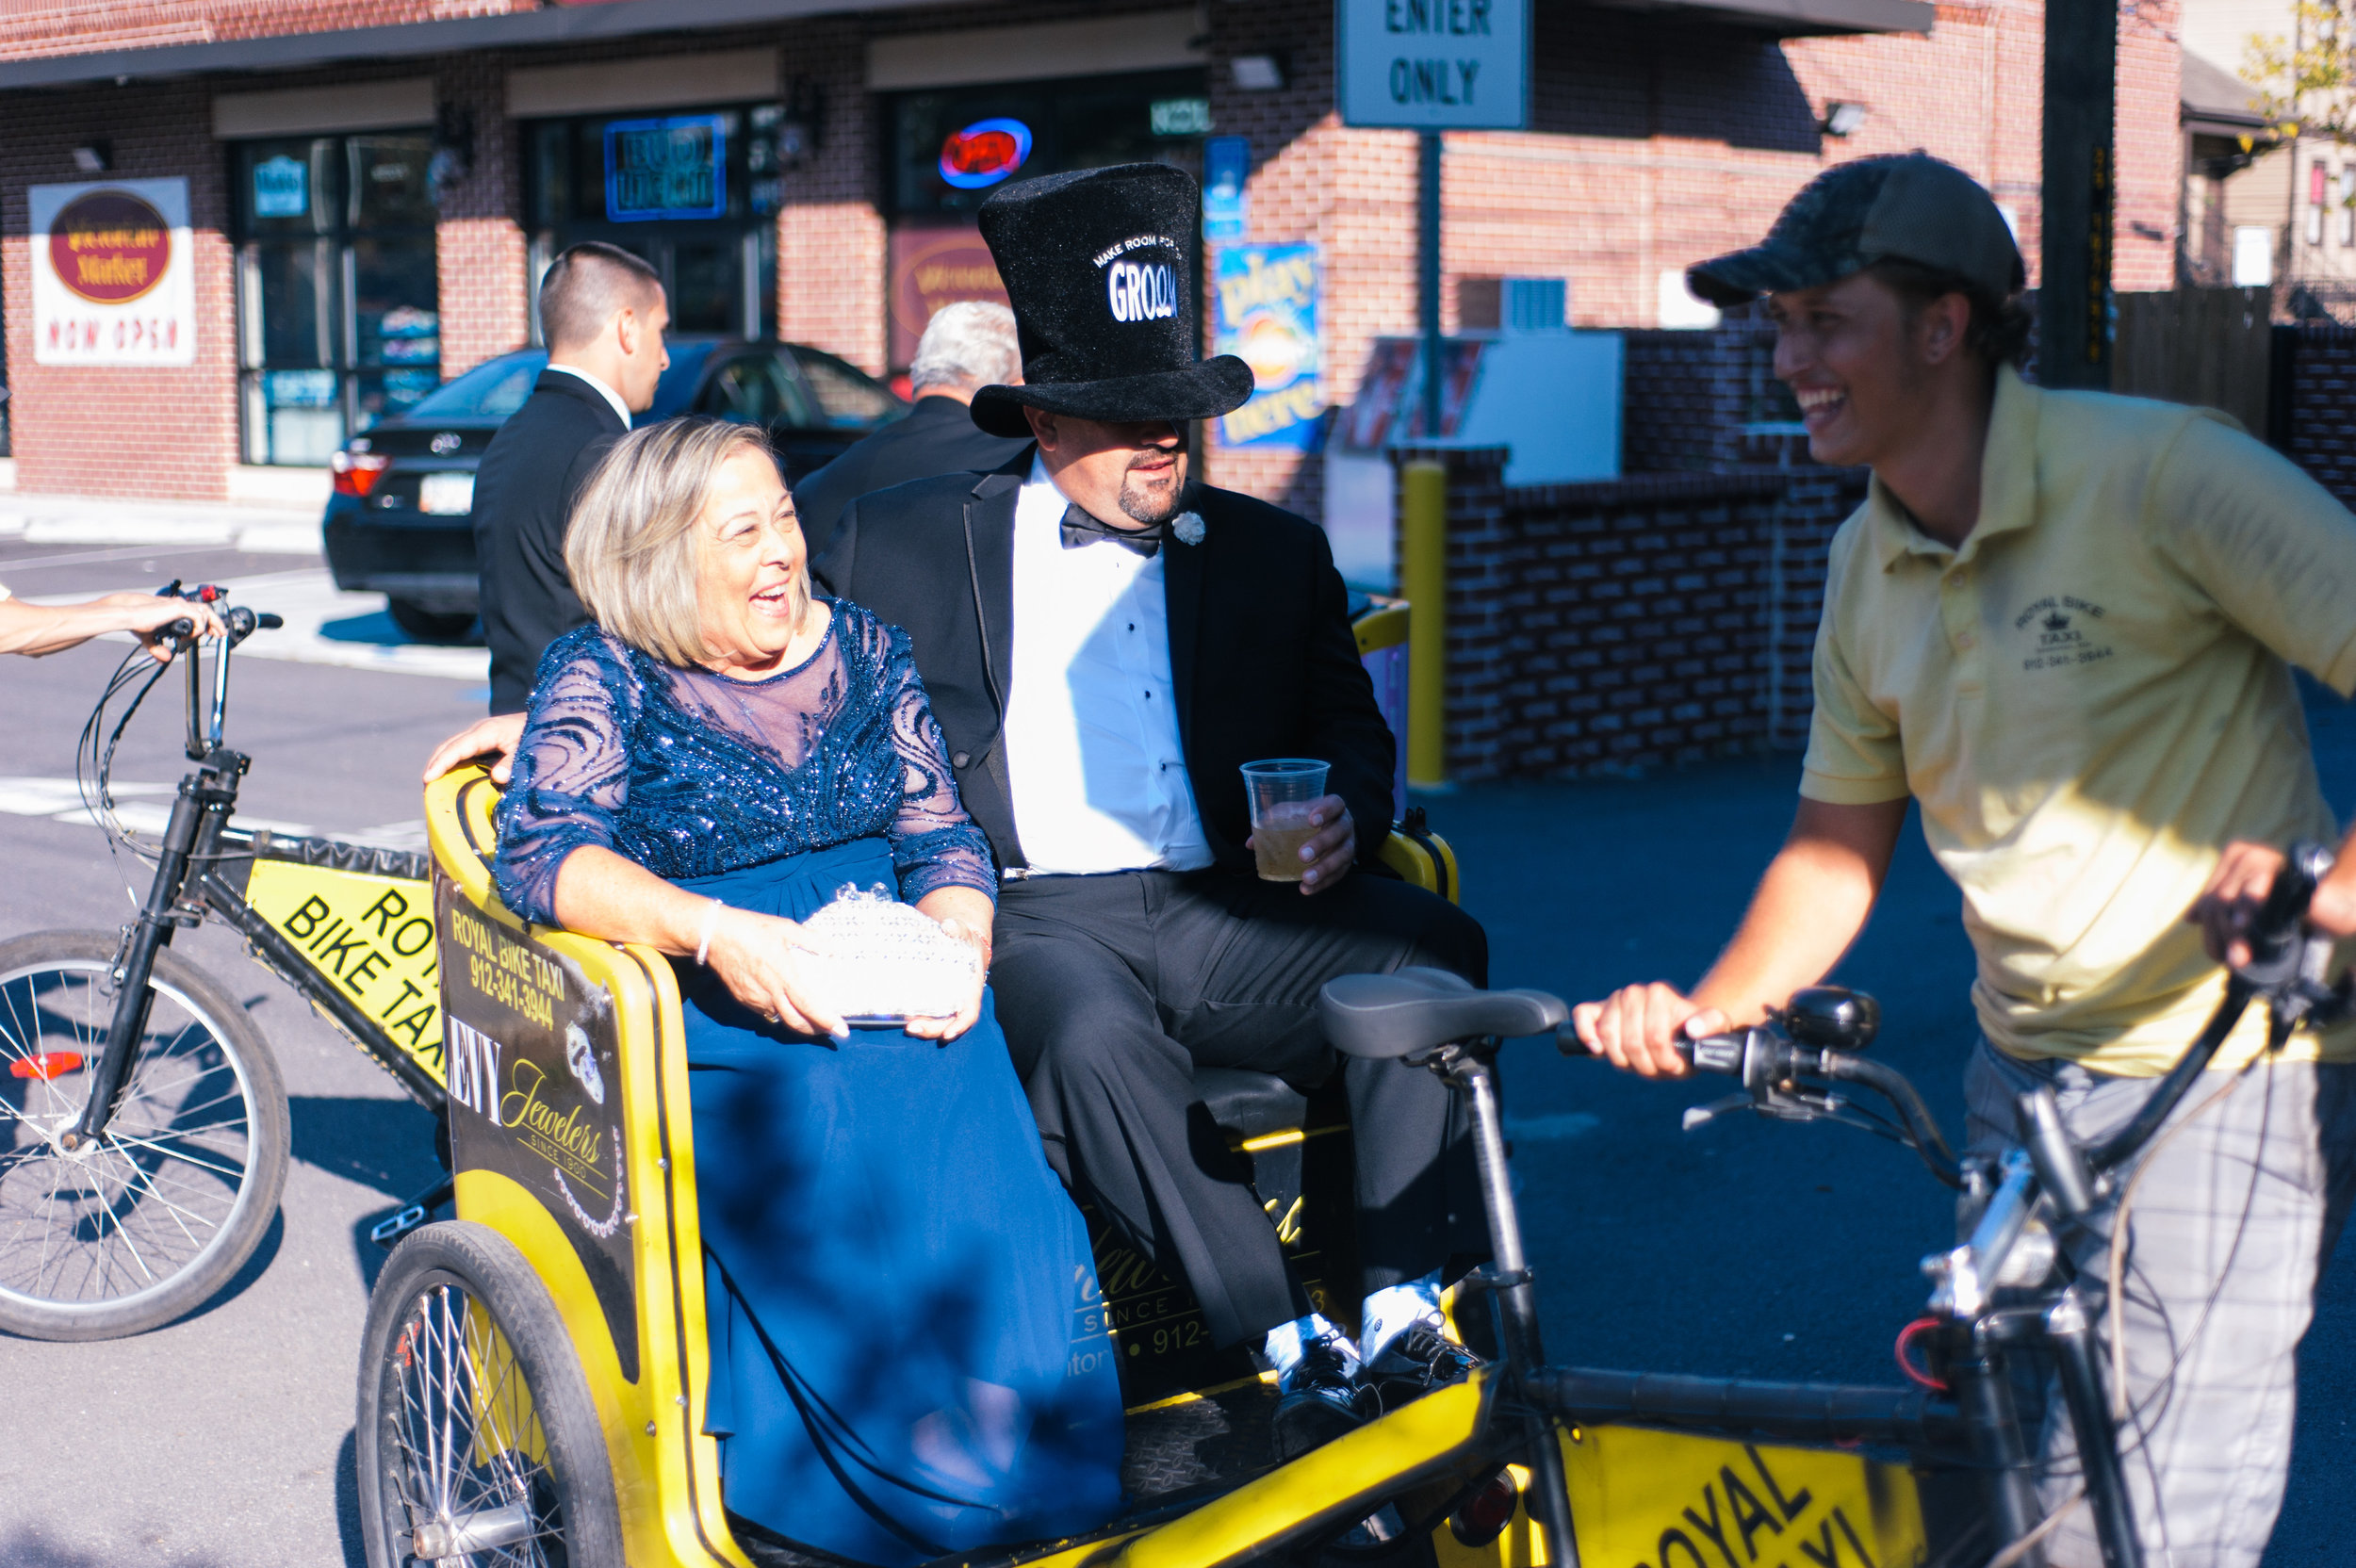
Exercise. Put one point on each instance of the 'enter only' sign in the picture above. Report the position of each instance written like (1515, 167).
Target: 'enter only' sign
(1434, 65)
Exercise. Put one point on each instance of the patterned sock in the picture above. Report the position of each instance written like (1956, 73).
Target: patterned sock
(1287, 1342)
(1395, 1309)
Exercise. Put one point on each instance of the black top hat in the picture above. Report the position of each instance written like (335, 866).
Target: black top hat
(1095, 264)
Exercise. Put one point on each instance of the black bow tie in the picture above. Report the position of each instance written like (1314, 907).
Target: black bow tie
(1080, 529)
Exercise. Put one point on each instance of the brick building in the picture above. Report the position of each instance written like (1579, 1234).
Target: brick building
(370, 187)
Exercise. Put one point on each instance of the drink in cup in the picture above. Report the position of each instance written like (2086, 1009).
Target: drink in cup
(1282, 792)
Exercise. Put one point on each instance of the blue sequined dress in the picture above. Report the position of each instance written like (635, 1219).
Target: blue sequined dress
(909, 1355)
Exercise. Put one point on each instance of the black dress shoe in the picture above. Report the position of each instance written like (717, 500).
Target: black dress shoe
(1416, 1361)
(1317, 1401)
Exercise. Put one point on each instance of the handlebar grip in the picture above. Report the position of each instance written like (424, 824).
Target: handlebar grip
(2286, 902)
(269, 622)
(182, 629)
(1720, 1053)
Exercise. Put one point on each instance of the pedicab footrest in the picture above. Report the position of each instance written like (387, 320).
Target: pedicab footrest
(1794, 1412)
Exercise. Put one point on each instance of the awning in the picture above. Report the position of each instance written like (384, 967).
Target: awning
(587, 23)
(2216, 101)
(551, 25)
(1799, 18)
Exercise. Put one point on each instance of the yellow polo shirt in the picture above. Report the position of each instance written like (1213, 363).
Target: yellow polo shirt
(2088, 700)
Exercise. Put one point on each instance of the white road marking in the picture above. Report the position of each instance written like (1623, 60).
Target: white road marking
(140, 811)
(96, 520)
(311, 602)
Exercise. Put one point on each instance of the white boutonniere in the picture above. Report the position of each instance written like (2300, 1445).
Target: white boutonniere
(1187, 526)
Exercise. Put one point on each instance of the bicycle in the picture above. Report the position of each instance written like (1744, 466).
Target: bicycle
(2008, 1290)
(147, 1126)
(557, 1325)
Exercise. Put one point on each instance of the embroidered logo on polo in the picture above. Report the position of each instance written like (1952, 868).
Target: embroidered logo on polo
(1141, 290)
(2065, 631)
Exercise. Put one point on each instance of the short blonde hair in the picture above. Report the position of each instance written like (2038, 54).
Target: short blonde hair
(632, 547)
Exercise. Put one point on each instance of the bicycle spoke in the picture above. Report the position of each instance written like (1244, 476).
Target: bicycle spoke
(234, 1172)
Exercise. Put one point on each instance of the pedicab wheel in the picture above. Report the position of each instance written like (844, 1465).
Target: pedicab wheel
(146, 1223)
(478, 1442)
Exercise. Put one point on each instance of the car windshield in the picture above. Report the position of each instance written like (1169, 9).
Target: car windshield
(677, 388)
(494, 390)
(489, 391)
(851, 399)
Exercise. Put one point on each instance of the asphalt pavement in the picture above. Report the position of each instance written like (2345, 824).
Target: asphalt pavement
(1741, 1248)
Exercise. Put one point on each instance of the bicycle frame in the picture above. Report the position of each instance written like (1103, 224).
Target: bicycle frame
(205, 866)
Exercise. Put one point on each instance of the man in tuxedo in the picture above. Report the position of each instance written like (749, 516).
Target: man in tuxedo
(602, 314)
(966, 346)
(1104, 644)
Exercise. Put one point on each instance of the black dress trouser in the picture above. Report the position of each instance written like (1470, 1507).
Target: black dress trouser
(1113, 988)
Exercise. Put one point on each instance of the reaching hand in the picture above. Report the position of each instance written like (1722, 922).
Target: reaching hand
(1636, 1027)
(757, 958)
(495, 737)
(147, 615)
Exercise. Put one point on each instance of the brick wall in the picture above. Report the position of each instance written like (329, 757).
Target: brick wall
(1655, 142)
(1642, 622)
(75, 26)
(134, 433)
(479, 243)
(2322, 428)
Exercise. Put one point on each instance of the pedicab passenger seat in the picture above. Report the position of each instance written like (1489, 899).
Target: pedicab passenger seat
(571, 1138)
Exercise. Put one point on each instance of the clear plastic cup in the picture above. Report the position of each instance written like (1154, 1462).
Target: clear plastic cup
(1281, 790)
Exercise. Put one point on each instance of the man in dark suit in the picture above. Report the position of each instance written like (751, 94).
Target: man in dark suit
(602, 315)
(1104, 645)
(966, 346)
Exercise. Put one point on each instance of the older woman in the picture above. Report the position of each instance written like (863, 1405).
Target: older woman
(907, 1341)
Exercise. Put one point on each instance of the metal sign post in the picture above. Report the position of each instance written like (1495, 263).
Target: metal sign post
(1432, 66)
(2081, 95)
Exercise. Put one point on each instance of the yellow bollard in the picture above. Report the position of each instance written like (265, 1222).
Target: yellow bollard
(1423, 583)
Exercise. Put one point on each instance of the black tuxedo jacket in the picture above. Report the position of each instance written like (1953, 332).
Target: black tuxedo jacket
(1260, 645)
(938, 436)
(523, 492)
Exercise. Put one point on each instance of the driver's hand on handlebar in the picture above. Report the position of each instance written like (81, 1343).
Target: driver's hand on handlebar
(2245, 874)
(495, 738)
(1636, 1028)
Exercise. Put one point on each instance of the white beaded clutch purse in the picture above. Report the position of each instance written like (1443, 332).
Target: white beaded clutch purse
(884, 961)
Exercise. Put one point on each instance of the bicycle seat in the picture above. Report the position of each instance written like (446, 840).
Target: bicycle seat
(1381, 1016)
(1249, 1104)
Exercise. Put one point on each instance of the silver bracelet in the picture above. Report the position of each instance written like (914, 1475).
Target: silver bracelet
(703, 938)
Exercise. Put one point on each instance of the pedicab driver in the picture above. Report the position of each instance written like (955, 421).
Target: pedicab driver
(2063, 625)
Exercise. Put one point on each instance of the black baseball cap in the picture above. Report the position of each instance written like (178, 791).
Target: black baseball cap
(1906, 207)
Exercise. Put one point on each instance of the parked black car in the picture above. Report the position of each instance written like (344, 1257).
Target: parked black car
(401, 521)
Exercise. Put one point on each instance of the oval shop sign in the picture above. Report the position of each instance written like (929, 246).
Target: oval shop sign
(984, 153)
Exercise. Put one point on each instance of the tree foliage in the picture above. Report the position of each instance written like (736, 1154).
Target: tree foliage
(2306, 83)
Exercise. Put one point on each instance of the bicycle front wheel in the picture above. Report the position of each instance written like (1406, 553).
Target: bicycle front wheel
(145, 1223)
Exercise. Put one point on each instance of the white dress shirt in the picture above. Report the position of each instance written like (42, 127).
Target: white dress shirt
(1091, 730)
(602, 390)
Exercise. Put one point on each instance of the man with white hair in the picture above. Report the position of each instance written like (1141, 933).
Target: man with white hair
(966, 345)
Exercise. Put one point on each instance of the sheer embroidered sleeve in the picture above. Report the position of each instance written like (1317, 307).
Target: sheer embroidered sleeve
(572, 769)
(934, 844)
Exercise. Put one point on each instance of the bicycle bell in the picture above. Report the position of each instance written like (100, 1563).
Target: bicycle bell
(1831, 1018)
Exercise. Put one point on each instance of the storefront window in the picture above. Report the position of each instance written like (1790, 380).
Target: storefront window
(692, 191)
(337, 289)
